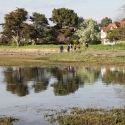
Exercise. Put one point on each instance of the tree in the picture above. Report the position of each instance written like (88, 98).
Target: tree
(121, 13)
(12, 27)
(117, 34)
(29, 31)
(40, 22)
(88, 31)
(63, 16)
(105, 22)
(80, 20)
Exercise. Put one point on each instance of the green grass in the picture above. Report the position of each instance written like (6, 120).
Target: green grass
(51, 46)
(108, 47)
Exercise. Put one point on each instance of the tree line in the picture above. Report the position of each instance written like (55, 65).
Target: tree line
(68, 28)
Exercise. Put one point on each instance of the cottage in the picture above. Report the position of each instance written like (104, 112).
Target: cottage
(104, 31)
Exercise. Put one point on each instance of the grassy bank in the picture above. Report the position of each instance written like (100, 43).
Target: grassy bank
(88, 58)
(50, 55)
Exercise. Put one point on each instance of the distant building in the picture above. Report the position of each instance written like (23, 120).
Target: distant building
(104, 31)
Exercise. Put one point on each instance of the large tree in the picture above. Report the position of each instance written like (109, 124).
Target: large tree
(40, 22)
(29, 31)
(88, 31)
(12, 27)
(105, 22)
(63, 16)
(121, 13)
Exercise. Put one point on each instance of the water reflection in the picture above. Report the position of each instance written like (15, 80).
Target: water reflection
(88, 75)
(67, 79)
(113, 75)
(62, 86)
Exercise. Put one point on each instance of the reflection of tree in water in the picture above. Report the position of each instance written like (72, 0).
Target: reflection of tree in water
(70, 77)
(41, 79)
(18, 77)
(67, 81)
(115, 76)
(88, 74)
(70, 86)
(15, 81)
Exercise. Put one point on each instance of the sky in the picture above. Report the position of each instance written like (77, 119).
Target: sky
(95, 9)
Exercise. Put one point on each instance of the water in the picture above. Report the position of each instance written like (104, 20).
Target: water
(28, 93)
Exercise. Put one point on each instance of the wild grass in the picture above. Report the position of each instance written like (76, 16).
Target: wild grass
(89, 116)
(8, 120)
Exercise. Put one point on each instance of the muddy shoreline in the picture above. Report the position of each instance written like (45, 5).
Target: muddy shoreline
(110, 53)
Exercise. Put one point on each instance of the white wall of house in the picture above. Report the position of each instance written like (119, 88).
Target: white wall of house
(103, 34)
(107, 42)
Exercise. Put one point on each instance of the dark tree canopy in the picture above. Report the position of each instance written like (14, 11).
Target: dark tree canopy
(105, 21)
(29, 31)
(13, 24)
(63, 16)
(40, 22)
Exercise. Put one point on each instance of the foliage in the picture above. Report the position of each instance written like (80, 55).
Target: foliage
(80, 20)
(63, 16)
(3, 41)
(49, 34)
(29, 31)
(14, 24)
(75, 42)
(40, 23)
(105, 22)
(117, 34)
(88, 31)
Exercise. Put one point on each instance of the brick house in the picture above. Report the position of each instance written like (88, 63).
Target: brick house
(104, 31)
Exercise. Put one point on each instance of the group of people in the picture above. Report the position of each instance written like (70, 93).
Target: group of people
(70, 48)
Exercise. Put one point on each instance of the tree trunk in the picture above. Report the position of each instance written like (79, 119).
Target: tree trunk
(17, 39)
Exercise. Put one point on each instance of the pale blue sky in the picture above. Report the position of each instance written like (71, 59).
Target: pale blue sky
(96, 9)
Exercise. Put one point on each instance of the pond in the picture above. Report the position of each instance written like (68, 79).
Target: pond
(28, 93)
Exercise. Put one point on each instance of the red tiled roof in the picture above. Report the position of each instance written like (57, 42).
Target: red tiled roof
(113, 25)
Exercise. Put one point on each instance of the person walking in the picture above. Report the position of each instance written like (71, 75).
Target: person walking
(74, 46)
(86, 46)
(61, 48)
(68, 48)
(79, 46)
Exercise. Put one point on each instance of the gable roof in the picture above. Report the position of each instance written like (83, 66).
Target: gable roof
(113, 25)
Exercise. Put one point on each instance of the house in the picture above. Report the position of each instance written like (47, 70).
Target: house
(104, 31)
